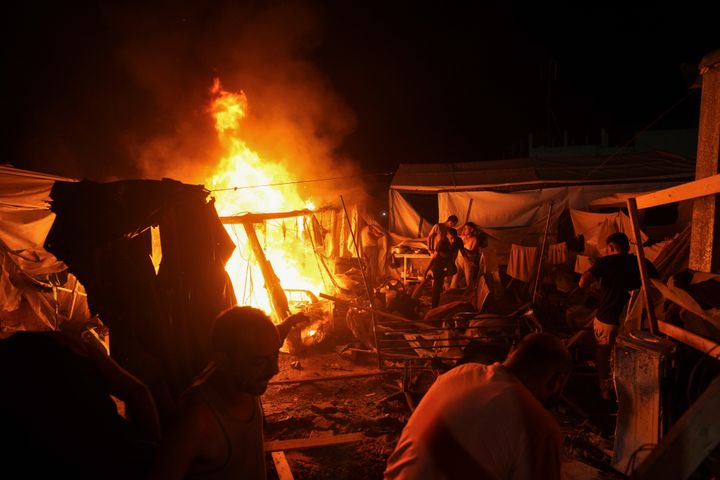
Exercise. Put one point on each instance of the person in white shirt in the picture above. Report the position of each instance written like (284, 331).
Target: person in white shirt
(488, 422)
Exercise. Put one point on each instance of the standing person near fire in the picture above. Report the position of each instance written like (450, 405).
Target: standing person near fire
(488, 421)
(219, 433)
(438, 232)
(618, 274)
(370, 235)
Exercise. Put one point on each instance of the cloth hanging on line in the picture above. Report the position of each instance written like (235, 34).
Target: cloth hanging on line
(521, 264)
(557, 253)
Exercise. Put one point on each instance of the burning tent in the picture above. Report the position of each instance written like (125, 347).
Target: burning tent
(158, 265)
(293, 241)
(156, 289)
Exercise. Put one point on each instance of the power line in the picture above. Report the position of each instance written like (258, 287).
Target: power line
(643, 130)
(301, 181)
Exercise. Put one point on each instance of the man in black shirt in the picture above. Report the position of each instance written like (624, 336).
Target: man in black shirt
(442, 262)
(618, 274)
(439, 231)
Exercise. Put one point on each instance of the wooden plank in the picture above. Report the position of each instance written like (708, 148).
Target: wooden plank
(686, 191)
(282, 467)
(326, 441)
(278, 300)
(689, 338)
(261, 217)
(693, 437)
(637, 238)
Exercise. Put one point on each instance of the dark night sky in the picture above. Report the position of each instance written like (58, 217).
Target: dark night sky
(103, 89)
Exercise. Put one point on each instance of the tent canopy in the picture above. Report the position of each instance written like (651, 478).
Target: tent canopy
(29, 300)
(25, 218)
(510, 199)
(534, 173)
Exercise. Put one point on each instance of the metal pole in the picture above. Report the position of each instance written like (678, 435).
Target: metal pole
(367, 287)
(542, 253)
(467, 214)
(644, 279)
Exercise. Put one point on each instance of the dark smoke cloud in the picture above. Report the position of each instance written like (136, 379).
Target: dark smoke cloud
(120, 90)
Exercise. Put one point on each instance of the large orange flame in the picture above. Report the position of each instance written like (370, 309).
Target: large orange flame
(242, 184)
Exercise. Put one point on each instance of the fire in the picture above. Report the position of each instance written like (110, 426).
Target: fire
(244, 181)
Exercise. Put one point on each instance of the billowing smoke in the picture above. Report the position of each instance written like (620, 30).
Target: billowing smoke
(121, 90)
(294, 118)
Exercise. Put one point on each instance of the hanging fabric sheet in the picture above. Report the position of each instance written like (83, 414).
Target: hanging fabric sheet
(595, 228)
(521, 264)
(557, 253)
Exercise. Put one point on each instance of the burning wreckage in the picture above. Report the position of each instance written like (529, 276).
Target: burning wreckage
(156, 260)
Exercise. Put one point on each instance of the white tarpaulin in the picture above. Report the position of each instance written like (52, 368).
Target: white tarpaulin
(509, 199)
(595, 228)
(27, 301)
(525, 208)
(582, 197)
(404, 220)
(519, 217)
(25, 218)
(501, 210)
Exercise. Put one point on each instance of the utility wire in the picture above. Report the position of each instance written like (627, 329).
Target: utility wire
(301, 181)
(643, 130)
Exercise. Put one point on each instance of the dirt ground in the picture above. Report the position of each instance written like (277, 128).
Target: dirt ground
(373, 405)
(376, 406)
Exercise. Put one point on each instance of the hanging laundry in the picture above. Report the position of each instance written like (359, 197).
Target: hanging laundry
(521, 264)
(557, 253)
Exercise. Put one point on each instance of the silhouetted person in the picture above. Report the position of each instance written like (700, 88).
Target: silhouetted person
(219, 430)
(58, 417)
(488, 422)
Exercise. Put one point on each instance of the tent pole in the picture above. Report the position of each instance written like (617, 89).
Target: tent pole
(467, 214)
(541, 256)
(74, 299)
(644, 278)
(367, 287)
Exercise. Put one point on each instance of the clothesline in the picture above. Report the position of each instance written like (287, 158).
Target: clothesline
(295, 182)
